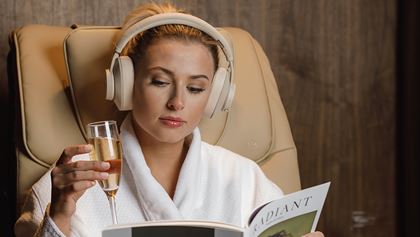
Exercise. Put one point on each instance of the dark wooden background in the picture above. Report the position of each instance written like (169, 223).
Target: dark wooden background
(335, 64)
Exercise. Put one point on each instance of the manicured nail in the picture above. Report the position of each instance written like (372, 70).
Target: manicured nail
(104, 175)
(105, 165)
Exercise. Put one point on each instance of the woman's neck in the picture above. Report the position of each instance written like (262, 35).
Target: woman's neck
(156, 152)
(164, 159)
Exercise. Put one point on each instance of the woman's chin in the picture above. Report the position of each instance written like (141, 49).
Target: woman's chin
(163, 134)
(171, 136)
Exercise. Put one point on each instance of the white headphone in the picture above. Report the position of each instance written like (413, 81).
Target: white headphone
(120, 75)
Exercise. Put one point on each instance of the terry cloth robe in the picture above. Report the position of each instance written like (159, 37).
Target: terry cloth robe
(214, 184)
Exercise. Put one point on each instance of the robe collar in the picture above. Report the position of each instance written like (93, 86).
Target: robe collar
(152, 197)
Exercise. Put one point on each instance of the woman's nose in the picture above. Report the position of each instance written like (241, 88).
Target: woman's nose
(176, 102)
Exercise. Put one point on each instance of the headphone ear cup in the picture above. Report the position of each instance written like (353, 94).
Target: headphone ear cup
(109, 85)
(230, 96)
(123, 73)
(216, 91)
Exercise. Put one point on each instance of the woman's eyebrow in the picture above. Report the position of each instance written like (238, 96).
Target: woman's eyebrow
(159, 68)
(199, 76)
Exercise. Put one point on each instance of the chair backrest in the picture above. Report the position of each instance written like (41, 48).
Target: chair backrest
(60, 87)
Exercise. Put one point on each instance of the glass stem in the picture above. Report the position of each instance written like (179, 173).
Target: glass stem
(111, 200)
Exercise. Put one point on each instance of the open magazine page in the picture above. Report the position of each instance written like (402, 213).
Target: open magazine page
(291, 216)
(174, 228)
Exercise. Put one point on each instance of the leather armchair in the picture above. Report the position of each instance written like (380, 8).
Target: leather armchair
(60, 87)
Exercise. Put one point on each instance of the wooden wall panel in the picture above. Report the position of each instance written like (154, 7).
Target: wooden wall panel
(336, 72)
(334, 61)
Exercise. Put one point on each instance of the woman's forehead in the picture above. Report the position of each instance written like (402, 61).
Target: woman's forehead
(175, 43)
(179, 53)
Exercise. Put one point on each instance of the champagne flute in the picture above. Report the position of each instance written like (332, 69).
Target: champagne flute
(104, 138)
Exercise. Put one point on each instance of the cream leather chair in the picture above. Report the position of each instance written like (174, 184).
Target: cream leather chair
(60, 87)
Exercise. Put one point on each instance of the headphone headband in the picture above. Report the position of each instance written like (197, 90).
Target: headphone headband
(174, 19)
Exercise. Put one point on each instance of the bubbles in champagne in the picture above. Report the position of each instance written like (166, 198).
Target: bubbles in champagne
(109, 150)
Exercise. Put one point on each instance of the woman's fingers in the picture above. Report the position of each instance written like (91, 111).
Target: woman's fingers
(76, 176)
(71, 151)
(65, 179)
(80, 166)
(77, 186)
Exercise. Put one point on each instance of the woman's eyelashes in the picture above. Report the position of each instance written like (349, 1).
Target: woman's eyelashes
(159, 82)
(196, 90)
(162, 83)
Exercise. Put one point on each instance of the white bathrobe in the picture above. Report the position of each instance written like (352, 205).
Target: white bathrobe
(214, 184)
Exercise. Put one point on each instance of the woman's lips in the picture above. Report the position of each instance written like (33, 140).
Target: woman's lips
(172, 122)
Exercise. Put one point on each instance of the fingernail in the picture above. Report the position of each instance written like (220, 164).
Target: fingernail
(104, 175)
(92, 183)
(105, 165)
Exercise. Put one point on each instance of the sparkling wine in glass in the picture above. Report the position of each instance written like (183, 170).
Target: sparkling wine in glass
(104, 138)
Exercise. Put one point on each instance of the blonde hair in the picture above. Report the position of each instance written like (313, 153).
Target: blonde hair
(137, 45)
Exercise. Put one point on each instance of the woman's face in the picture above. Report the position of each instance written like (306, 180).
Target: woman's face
(171, 88)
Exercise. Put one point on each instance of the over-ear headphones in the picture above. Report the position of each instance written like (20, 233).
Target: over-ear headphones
(120, 75)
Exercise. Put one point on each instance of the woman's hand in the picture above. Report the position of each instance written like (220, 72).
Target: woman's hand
(70, 180)
(314, 234)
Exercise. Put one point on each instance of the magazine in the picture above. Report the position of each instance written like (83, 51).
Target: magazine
(293, 215)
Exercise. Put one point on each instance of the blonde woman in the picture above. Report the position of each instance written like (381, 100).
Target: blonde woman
(169, 172)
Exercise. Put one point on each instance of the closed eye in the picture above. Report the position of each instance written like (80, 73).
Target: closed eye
(159, 83)
(196, 90)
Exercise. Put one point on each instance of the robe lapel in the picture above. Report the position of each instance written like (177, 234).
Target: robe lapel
(152, 197)
(189, 189)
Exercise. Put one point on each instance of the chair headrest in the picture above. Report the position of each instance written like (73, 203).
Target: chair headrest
(247, 129)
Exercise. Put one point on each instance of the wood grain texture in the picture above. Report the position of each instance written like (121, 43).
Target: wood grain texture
(334, 61)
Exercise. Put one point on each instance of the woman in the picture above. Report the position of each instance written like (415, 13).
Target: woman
(168, 173)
